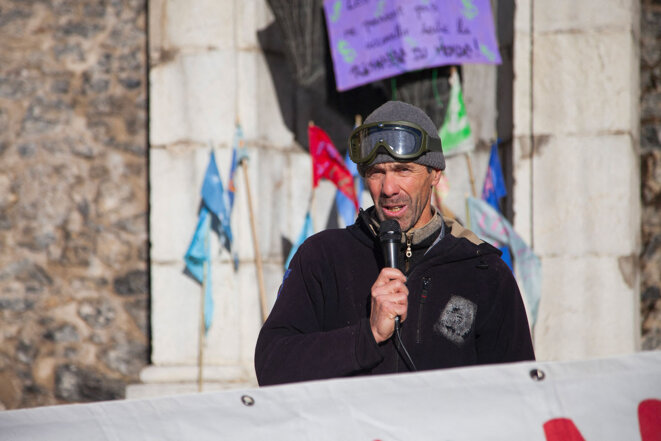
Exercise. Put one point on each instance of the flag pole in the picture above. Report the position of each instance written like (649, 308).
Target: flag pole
(470, 173)
(314, 189)
(472, 179)
(200, 350)
(255, 242)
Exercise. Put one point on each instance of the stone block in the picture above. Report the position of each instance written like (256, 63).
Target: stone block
(586, 196)
(479, 89)
(224, 342)
(191, 99)
(280, 184)
(156, 30)
(299, 181)
(521, 88)
(265, 172)
(271, 200)
(522, 189)
(585, 83)
(237, 320)
(250, 304)
(522, 19)
(267, 105)
(272, 181)
(176, 176)
(458, 176)
(572, 16)
(175, 311)
(176, 315)
(587, 309)
(253, 16)
(199, 24)
(247, 94)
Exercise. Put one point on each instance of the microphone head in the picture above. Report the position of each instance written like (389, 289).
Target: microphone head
(390, 231)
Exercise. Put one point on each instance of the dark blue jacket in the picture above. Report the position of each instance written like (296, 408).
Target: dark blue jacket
(464, 309)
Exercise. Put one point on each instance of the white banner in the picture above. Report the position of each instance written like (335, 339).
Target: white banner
(596, 400)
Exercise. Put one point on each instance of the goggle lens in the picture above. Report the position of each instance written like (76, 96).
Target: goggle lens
(402, 141)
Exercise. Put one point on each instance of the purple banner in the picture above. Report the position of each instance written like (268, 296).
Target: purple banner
(375, 39)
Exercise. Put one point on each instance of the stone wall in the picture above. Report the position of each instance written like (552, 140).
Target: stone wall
(73, 200)
(576, 170)
(74, 284)
(650, 87)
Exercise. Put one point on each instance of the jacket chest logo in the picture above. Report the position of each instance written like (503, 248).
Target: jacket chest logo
(456, 320)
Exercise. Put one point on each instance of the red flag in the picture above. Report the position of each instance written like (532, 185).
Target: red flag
(327, 163)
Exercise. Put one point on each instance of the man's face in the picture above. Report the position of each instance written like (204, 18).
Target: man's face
(402, 191)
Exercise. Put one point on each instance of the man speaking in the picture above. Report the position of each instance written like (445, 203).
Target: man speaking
(402, 289)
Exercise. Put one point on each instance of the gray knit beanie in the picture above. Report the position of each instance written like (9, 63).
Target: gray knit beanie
(400, 111)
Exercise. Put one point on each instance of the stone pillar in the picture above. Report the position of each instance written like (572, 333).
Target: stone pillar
(206, 71)
(576, 195)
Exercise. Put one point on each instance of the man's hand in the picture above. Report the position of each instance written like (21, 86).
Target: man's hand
(389, 300)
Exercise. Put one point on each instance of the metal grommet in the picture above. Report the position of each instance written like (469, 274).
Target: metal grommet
(247, 400)
(537, 374)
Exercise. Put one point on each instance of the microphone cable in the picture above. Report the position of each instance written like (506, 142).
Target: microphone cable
(408, 358)
(390, 236)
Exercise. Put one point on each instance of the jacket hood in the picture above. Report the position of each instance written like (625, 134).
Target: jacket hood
(459, 243)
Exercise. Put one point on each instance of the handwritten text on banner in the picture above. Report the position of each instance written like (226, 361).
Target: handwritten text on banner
(375, 39)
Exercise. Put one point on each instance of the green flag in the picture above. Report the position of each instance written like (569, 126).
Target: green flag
(455, 133)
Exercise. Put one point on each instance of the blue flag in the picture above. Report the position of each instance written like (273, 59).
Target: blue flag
(494, 183)
(214, 197)
(238, 154)
(197, 256)
(345, 206)
(231, 187)
(494, 188)
(306, 232)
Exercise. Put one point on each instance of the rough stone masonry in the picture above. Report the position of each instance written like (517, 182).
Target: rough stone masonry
(650, 88)
(74, 294)
(73, 200)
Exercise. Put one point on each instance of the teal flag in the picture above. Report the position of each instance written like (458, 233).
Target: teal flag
(215, 199)
(492, 227)
(306, 232)
(197, 256)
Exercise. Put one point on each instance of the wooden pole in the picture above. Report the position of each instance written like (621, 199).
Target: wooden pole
(255, 242)
(470, 173)
(468, 214)
(202, 328)
(200, 352)
(312, 194)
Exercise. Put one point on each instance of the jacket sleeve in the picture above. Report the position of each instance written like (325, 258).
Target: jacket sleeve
(293, 345)
(503, 333)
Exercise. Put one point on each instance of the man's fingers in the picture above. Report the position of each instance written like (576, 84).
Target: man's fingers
(388, 274)
(390, 306)
(392, 287)
(396, 308)
(389, 300)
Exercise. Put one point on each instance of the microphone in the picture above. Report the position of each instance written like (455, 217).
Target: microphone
(390, 235)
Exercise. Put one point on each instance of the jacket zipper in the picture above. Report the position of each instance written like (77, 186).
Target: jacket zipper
(426, 284)
(408, 253)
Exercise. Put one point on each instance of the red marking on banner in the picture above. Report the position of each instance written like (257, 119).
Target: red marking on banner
(562, 429)
(649, 419)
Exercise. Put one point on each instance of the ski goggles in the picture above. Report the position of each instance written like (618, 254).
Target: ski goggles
(401, 139)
